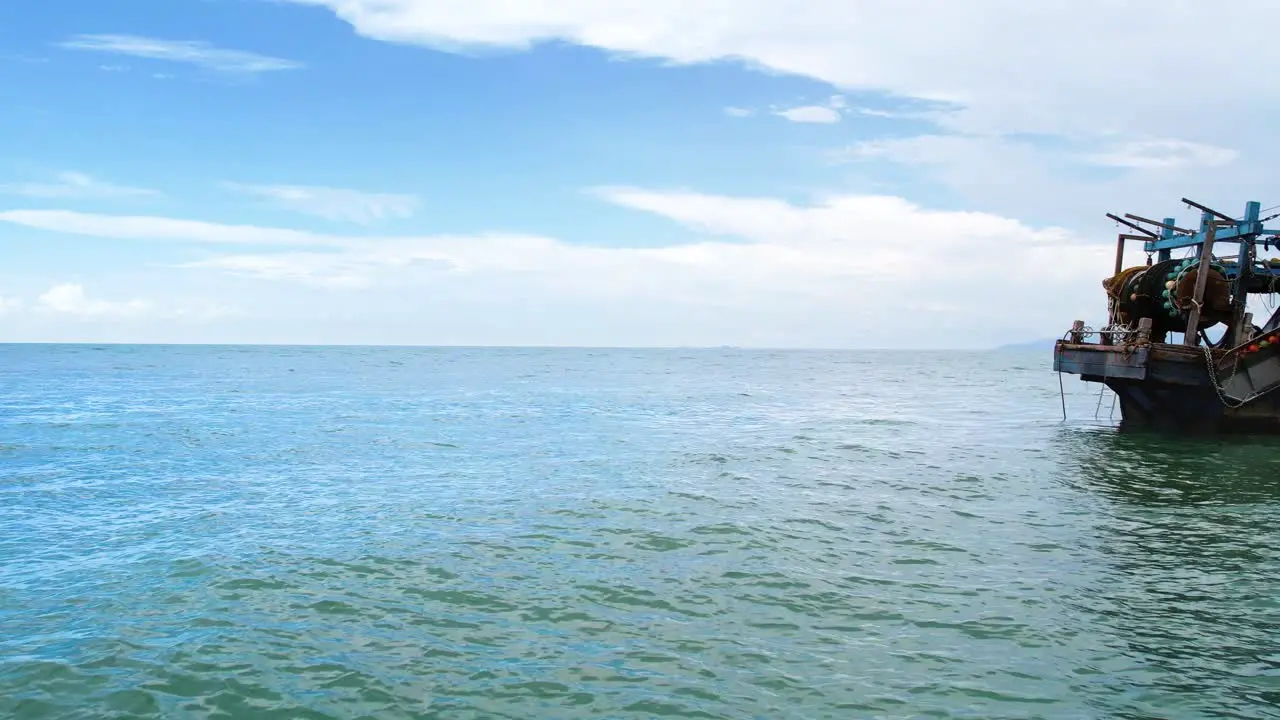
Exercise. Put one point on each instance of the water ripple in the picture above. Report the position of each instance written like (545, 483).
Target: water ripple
(421, 533)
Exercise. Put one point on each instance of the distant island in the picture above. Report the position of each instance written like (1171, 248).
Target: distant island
(1040, 345)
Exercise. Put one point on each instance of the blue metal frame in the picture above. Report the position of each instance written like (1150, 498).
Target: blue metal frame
(1165, 234)
(1245, 231)
(1233, 269)
(1245, 273)
(1248, 232)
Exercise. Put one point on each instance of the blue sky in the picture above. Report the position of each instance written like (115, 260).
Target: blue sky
(615, 172)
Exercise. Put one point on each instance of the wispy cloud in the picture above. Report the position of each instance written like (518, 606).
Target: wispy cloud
(74, 185)
(764, 257)
(1165, 154)
(835, 109)
(829, 112)
(334, 203)
(194, 52)
(161, 229)
(810, 114)
(70, 299)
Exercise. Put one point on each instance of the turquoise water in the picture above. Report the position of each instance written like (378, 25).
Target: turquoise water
(421, 533)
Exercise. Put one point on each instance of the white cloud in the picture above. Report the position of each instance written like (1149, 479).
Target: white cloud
(833, 111)
(1165, 154)
(811, 114)
(70, 299)
(986, 73)
(838, 272)
(335, 270)
(150, 228)
(1066, 183)
(197, 53)
(830, 112)
(919, 149)
(74, 185)
(335, 203)
(357, 268)
(1013, 66)
(9, 305)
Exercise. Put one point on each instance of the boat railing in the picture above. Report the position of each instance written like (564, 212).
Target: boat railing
(1109, 334)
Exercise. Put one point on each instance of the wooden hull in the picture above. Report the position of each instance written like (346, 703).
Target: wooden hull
(1167, 388)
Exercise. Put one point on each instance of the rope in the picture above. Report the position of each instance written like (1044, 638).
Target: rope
(1128, 347)
(1062, 392)
(1273, 207)
(1115, 284)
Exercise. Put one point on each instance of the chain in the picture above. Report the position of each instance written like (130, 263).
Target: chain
(1217, 387)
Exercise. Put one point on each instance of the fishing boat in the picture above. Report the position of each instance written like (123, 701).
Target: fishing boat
(1155, 352)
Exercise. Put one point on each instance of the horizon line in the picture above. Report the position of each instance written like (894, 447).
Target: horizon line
(428, 346)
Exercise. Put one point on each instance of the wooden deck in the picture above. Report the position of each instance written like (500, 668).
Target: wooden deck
(1168, 363)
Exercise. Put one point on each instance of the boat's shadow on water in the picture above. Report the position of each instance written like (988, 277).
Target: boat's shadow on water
(1151, 468)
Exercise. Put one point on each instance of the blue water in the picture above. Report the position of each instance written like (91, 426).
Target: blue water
(230, 532)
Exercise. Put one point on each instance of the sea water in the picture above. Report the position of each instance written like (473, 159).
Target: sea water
(276, 532)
